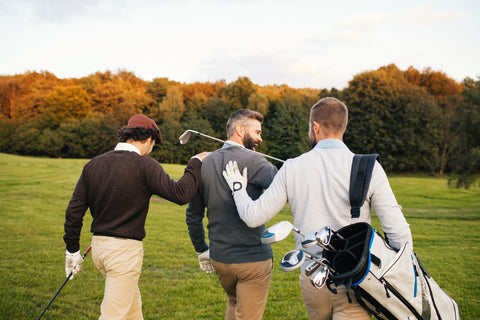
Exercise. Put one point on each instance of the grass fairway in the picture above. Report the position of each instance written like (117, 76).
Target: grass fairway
(34, 193)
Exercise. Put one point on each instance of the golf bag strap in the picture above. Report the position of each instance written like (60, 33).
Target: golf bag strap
(362, 168)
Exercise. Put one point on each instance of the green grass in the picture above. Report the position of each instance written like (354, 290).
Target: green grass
(34, 193)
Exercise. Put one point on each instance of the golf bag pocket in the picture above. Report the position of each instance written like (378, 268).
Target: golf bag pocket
(389, 283)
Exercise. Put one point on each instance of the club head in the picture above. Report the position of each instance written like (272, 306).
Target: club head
(292, 260)
(311, 268)
(319, 276)
(309, 240)
(277, 232)
(185, 136)
(324, 236)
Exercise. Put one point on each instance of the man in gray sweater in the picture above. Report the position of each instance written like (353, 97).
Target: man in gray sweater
(316, 185)
(242, 263)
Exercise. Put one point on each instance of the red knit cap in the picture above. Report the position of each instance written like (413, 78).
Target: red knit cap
(142, 121)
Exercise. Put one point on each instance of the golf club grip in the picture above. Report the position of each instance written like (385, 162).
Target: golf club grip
(87, 251)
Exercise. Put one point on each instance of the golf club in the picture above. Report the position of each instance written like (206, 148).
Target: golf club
(322, 261)
(320, 276)
(311, 268)
(277, 232)
(63, 284)
(186, 136)
(292, 260)
(321, 238)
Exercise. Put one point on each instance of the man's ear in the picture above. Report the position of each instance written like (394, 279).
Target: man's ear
(316, 127)
(239, 131)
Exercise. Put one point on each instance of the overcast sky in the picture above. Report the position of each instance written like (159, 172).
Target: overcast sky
(316, 44)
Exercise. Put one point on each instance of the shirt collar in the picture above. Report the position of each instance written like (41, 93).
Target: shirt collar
(123, 146)
(331, 144)
(230, 143)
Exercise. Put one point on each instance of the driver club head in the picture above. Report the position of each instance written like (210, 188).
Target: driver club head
(184, 137)
(319, 276)
(277, 232)
(292, 260)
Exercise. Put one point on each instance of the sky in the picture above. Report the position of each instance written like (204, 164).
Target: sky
(300, 43)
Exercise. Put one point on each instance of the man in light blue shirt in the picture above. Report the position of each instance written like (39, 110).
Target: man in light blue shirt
(316, 185)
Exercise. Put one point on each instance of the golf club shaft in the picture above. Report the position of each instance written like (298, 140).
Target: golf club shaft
(63, 284)
(322, 262)
(219, 140)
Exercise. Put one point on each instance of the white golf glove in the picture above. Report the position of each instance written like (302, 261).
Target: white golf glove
(73, 263)
(235, 180)
(205, 262)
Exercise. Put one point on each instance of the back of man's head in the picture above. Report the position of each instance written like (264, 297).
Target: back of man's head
(140, 128)
(331, 114)
(241, 116)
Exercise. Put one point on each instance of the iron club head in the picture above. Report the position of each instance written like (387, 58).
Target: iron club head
(184, 137)
(319, 276)
(324, 236)
(311, 268)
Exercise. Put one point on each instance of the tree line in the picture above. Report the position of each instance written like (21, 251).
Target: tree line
(418, 121)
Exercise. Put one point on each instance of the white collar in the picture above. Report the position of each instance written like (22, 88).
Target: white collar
(232, 143)
(123, 146)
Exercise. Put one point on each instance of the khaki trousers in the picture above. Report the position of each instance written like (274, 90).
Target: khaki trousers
(246, 285)
(322, 304)
(120, 262)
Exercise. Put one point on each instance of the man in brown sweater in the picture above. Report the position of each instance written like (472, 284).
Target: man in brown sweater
(117, 187)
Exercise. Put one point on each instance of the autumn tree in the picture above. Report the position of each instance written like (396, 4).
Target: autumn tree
(62, 103)
(238, 92)
(389, 116)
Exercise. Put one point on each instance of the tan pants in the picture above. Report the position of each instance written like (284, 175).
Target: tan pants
(246, 285)
(321, 304)
(120, 262)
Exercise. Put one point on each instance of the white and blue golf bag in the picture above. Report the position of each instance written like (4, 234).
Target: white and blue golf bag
(388, 283)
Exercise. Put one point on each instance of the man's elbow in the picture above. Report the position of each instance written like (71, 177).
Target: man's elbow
(251, 223)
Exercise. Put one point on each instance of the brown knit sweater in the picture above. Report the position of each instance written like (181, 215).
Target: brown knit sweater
(117, 187)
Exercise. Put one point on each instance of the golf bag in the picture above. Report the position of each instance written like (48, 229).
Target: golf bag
(389, 283)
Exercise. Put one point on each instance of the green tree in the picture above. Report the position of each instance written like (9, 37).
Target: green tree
(216, 112)
(465, 160)
(286, 127)
(196, 143)
(446, 92)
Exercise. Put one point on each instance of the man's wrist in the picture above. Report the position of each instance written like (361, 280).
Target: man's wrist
(68, 253)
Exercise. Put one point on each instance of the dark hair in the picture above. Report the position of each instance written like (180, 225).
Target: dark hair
(241, 116)
(137, 134)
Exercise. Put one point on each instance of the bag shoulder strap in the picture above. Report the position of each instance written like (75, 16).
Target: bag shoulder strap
(362, 168)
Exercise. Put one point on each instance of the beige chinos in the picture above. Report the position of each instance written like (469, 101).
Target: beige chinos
(120, 261)
(322, 304)
(246, 285)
